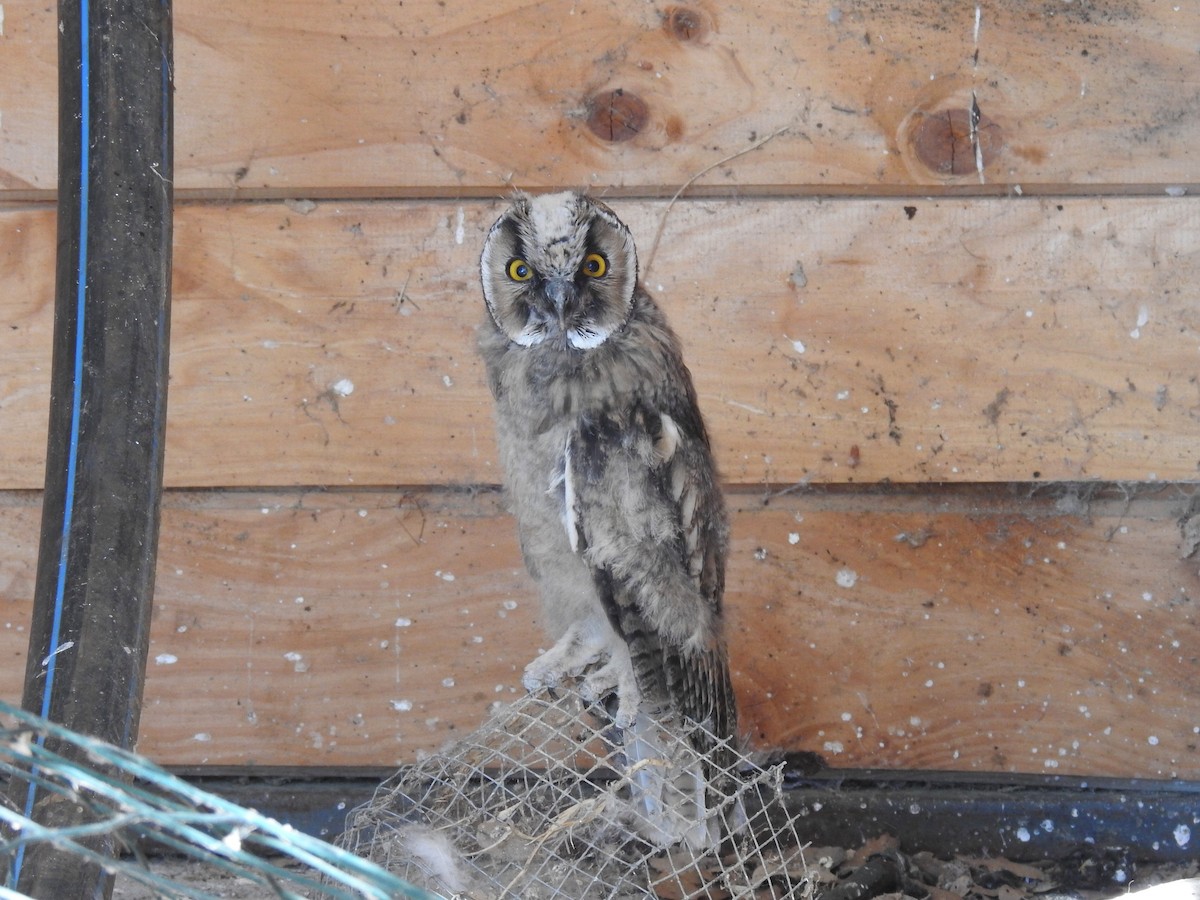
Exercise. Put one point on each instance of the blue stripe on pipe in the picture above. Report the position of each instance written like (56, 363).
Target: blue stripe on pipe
(51, 661)
(77, 381)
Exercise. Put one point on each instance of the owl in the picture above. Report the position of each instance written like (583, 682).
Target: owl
(610, 474)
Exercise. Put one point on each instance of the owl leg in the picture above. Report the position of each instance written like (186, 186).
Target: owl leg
(578, 648)
(668, 787)
(615, 675)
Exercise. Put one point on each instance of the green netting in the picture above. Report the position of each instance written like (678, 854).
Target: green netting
(137, 804)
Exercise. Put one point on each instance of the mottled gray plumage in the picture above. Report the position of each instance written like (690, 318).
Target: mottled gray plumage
(608, 465)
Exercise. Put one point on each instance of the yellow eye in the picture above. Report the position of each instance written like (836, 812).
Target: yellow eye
(595, 265)
(518, 270)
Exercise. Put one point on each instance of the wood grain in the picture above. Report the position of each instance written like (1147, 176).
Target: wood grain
(988, 313)
(304, 98)
(961, 341)
(984, 632)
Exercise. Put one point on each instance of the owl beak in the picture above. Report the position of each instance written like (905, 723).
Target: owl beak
(561, 292)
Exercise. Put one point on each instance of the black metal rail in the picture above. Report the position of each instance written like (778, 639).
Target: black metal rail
(1021, 817)
(95, 576)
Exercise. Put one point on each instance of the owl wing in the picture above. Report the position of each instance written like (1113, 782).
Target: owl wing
(643, 507)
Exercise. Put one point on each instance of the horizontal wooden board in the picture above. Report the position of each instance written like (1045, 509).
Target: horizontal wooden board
(304, 97)
(987, 340)
(958, 631)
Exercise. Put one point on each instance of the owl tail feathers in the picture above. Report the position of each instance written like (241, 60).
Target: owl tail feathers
(673, 798)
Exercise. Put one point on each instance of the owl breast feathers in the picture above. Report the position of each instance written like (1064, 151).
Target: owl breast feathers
(608, 466)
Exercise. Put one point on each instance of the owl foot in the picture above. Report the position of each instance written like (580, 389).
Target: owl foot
(617, 676)
(571, 654)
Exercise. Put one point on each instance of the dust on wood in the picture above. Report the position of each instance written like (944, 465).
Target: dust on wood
(899, 630)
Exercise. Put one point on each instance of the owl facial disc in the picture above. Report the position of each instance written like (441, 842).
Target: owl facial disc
(559, 269)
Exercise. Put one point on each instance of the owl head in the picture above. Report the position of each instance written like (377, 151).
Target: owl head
(559, 269)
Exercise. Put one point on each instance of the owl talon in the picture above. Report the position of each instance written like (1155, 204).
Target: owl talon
(615, 676)
(539, 678)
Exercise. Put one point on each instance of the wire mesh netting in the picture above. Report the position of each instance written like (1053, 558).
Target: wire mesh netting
(540, 802)
(137, 807)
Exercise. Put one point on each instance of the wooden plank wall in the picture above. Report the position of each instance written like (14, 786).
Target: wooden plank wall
(952, 373)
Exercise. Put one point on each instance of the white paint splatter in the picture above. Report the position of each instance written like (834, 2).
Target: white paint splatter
(1183, 835)
(67, 645)
(445, 576)
(203, 737)
(460, 231)
(1023, 835)
(403, 622)
(343, 388)
(447, 381)
(1176, 190)
(447, 682)
(166, 659)
(793, 538)
(834, 747)
(846, 578)
(1143, 319)
(747, 407)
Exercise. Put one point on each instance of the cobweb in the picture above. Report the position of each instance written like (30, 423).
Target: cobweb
(539, 803)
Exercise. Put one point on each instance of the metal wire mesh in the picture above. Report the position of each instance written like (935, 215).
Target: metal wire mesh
(540, 803)
(136, 804)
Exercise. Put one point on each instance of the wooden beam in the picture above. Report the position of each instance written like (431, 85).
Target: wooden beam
(924, 341)
(368, 98)
(968, 630)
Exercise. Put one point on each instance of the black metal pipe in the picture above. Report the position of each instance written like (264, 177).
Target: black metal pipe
(95, 577)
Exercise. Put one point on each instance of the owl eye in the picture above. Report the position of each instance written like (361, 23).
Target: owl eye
(519, 270)
(595, 265)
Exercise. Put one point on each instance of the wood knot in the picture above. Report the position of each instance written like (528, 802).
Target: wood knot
(686, 24)
(616, 115)
(948, 143)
